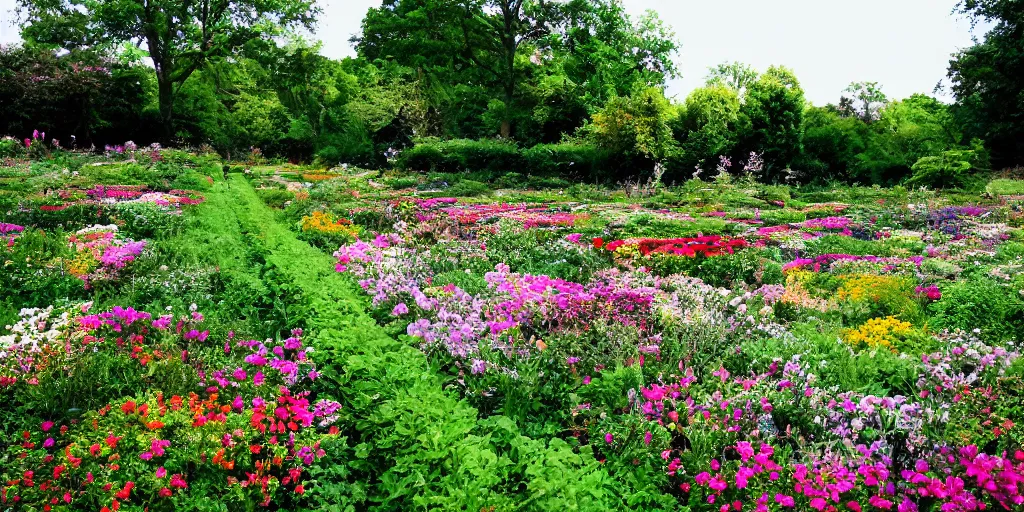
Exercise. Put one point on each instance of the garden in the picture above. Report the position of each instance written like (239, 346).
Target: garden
(496, 256)
(185, 333)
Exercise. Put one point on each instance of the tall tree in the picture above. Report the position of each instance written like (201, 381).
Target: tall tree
(465, 40)
(870, 97)
(774, 108)
(706, 126)
(734, 75)
(988, 79)
(180, 35)
(606, 52)
(492, 38)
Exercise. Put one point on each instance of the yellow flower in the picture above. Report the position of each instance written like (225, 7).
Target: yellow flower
(869, 287)
(327, 223)
(885, 333)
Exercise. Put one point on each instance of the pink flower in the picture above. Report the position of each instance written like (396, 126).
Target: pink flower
(161, 472)
(880, 502)
(907, 506)
(785, 501)
(49, 443)
(178, 482)
(608, 438)
(47, 425)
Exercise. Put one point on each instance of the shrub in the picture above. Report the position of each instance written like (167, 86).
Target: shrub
(649, 226)
(191, 181)
(980, 304)
(327, 231)
(404, 182)
(565, 160)
(11, 147)
(950, 169)
(461, 155)
(866, 296)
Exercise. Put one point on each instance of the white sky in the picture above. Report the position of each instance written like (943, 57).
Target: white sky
(902, 44)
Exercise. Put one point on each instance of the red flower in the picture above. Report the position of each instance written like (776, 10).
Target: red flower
(126, 491)
(164, 493)
(598, 243)
(112, 441)
(299, 489)
(128, 407)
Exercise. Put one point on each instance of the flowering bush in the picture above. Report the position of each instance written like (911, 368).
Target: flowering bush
(324, 229)
(886, 333)
(100, 255)
(253, 430)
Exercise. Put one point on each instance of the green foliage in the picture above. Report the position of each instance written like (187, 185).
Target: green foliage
(181, 36)
(80, 93)
(1005, 187)
(906, 131)
(987, 79)
(706, 127)
(566, 160)
(275, 197)
(650, 226)
(951, 169)
(774, 108)
(11, 147)
(461, 156)
(832, 144)
(980, 303)
(635, 125)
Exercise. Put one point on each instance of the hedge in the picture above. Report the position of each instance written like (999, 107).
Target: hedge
(489, 160)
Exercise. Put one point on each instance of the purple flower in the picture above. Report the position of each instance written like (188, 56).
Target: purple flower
(478, 366)
(400, 309)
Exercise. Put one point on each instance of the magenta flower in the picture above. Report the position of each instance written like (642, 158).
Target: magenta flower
(785, 501)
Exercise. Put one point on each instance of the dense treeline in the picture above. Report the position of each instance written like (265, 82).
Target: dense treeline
(572, 88)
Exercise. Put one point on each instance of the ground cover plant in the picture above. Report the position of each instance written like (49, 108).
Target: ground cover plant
(295, 339)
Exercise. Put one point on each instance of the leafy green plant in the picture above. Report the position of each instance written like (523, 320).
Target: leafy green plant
(950, 169)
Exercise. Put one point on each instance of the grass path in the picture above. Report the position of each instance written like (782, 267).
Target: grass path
(411, 444)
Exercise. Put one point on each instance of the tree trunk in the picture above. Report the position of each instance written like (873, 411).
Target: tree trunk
(166, 97)
(506, 115)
